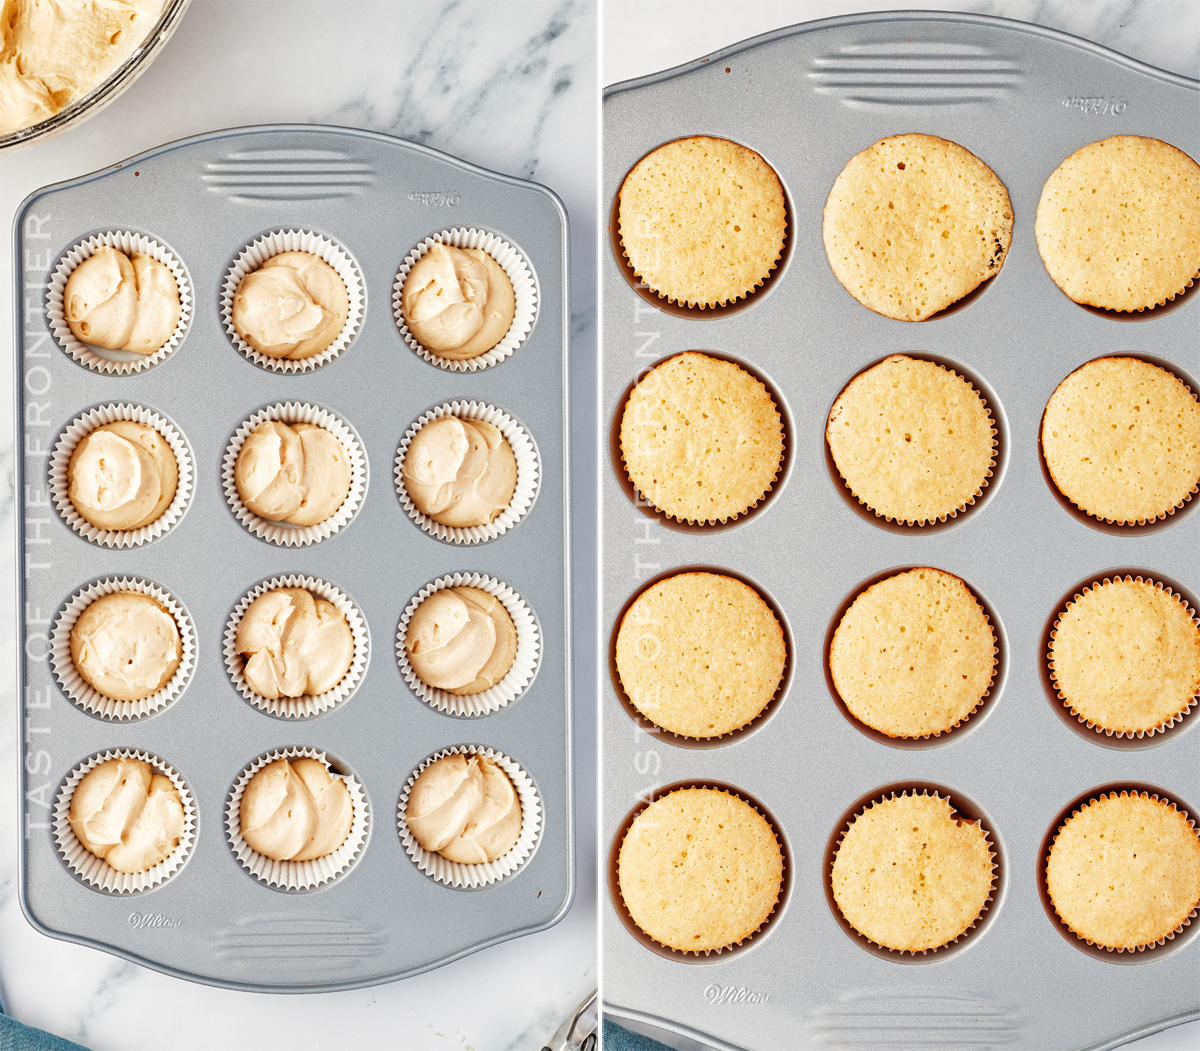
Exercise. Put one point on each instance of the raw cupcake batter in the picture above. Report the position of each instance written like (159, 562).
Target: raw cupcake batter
(460, 472)
(464, 808)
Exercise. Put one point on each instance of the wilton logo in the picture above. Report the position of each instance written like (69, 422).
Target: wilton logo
(435, 199)
(141, 921)
(1097, 107)
(733, 994)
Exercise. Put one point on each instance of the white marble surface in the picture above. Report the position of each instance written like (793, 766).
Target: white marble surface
(647, 36)
(511, 87)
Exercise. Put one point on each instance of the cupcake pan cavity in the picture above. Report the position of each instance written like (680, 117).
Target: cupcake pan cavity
(808, 984)
(227, 926)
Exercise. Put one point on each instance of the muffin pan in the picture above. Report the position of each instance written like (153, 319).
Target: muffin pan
(379, 917)
(808, 98)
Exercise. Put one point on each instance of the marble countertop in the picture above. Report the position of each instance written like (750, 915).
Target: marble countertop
(510, 87)
(647, 36)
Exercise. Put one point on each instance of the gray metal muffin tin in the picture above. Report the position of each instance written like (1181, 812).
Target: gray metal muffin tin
(205, 198)
(807, 98)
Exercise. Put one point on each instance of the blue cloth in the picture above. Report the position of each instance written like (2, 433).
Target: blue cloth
(17, 1037)
(616, 1038)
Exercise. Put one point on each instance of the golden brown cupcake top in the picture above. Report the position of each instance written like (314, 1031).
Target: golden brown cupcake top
(1121, 438)
(700, 654)
(913, 441)
(1125, 655)
(914, 223)
(914, 654)
(700, 870)
(909, 875)
(701, 438)
(702, 220)
(1118, 223)
(1124, 870)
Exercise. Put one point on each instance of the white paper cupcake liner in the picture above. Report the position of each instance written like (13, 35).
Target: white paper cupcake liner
(101, 359)
(455, 873)
(528, 473)
(299, 707)
(60, 482)
(519, 272)
(519, 676)
(1170, 935)
(987, 904)
(284, 533)
(98, 872)
(296, 875)
(278, 241)
(1162, 727)
(79, 690)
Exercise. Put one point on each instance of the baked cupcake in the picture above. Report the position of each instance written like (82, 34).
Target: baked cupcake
(125, 813)
(461, 640)
(910, 876)
(126, 645)
(701, 438)
(914, 655)
(293, 306)
(297, 473)
(294, 644)
(702, 221)
(912, 440)
(122, 476)
(700, 654)
(1124, 871)
(460, 472)
(458, 303)
(122, 302)
(465, 808)
(914, 223)
(1121, 440)
(1118, 223)
(1125, 656)
(700, 870)
(294, 810)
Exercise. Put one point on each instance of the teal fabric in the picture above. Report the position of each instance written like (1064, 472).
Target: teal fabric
(17, 1037)
(616, 1038)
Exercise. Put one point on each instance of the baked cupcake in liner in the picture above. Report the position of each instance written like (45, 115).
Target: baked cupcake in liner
(511, 261)
(1075, 811)
(692, 955)
(1130, 522)
(296, 875)
(457, 874)
(886, 797)
(275, 243)
(987, 689)
(954, 512)
(1165, 724)
(101, 359)
(284, 533)
(306, 705)
(519, 676)
(528, 473)
(60, 481)
(96, 871)
(79, 690)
